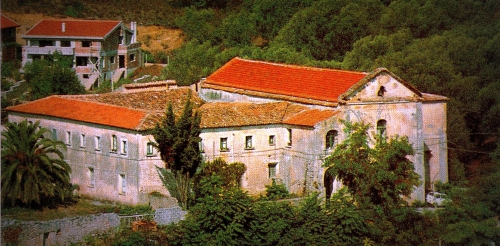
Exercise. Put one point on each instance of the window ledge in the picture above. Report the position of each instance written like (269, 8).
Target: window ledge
(251, 148)
(224, 150)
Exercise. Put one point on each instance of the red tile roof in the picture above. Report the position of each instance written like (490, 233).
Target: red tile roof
(310, 117)
(235, 114)
(91, 112)
(7, 22)
(290, 80)
(73, 28)
(134, 111)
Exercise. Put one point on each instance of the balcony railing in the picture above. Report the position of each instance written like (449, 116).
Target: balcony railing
(49, 50)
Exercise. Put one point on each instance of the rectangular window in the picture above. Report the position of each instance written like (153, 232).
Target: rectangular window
(65, 43)
(124, 147)
(81, 61)
(86, 43)
(132, 57)
(248, 142)
(54, 134)
(122, 184)
(202, 150)
(223, 144)
(83, 140)
(289, 142)
(272, 169)
(68, 138)
(112, 59)
(114, 143)
(91, 176)
(97, 142)
(44, 43)
(149, 149)
(272, 140)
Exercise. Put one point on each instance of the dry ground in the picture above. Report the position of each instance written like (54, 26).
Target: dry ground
(153, 38)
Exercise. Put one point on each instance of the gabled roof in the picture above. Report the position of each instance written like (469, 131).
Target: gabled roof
(236, 114)
(91, 29)
(7, 22)
(281, 79)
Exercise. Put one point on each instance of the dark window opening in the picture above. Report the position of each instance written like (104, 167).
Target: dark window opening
(65, 43)
(86, 43)
(331, 139)
(81, 61)
(44, 43)
(381, 91)
(382, 128)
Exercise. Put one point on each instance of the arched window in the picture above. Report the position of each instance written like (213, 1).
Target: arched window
(381, 128)
(331, 139)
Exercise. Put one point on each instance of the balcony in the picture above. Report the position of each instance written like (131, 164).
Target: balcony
(35, 50)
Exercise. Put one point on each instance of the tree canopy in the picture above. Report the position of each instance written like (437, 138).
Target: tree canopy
(178, 140)
(34, 172)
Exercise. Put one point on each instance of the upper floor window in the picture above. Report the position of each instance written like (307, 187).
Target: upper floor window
(382, 128)
(81, 61)
(223, 144)
(149, 149)
(114, 143)
(65, 43)
(83, 140)
(289, 142)
(68, 138)
(272, 140)
(132, 57)
(86, 43)
(331, 139)
(44, 43)
(248, 142)
(124, 146)
(112, 59)
(54, 134)
(91, 176)
(97, 142)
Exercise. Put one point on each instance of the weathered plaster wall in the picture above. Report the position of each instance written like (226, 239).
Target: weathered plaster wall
(107, 165)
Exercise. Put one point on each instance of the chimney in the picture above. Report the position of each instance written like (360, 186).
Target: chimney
(133, 26)
(63, 27)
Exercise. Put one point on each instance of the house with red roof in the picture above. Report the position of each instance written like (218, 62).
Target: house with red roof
(389, 104)
(9, 45)
(101, 50)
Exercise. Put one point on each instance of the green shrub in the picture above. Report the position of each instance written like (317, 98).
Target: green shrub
(276, 191)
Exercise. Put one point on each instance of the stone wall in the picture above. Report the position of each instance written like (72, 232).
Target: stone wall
(57, 232)
(166, 216)
(72, 230)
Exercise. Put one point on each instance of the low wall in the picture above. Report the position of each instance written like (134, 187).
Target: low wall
(72, 230)
(57, 232)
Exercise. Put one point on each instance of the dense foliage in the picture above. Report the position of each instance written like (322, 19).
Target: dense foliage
(178, 140)
(53, 75)
(34, 173)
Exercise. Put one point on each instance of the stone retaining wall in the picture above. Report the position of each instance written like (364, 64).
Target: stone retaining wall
(73, 230)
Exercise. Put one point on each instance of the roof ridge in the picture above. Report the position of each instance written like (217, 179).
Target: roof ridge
(298, 66)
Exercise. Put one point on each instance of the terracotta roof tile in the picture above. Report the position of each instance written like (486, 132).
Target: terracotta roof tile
(73, 28)
(310, 117)
(234, 114)
(91, 112)
(7, 22)
(135, 111)
(290, 80)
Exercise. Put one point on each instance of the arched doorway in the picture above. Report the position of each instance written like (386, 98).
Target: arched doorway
(331, 183)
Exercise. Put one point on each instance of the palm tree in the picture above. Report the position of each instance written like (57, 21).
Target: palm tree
(33, 168)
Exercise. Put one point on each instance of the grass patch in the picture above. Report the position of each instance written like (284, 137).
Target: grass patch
(82, 206)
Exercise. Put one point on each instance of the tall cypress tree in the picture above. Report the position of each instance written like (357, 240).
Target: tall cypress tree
(178, 144)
